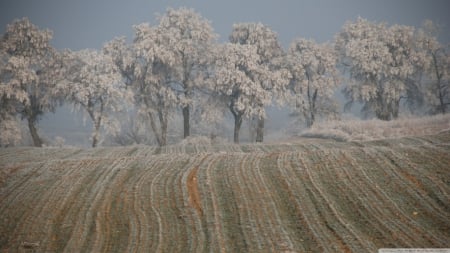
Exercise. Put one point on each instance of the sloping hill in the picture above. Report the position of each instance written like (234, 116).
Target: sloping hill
(305, 196)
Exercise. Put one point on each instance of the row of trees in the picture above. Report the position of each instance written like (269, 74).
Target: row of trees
(178, 66)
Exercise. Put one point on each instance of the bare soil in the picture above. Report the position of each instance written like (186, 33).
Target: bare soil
(308, 195)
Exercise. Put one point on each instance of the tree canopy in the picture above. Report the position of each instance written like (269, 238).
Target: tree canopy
(177, 67)
(30, 69)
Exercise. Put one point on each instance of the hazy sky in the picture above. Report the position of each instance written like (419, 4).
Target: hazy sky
(79, 24)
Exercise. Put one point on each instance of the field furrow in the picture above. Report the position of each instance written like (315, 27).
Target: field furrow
(347, 236)
(195, 202)
(386, 200)
(411, 198)
(325, 222)
(278, 233)
(254, 208)
(370, 203)
(232, 223)
(171, 202)
(211, 224)
(297, 219)
(308, 195)
(341, 195)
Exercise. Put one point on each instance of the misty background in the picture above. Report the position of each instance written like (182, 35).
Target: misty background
(91, 23)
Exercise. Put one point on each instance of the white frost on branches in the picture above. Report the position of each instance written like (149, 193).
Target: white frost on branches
(237, 77)
(191, 40)
(29, 70)
(314, 79)
(270, 55)
(241, 81)
(437, 68)
(154, 64)
(380, 60)
(95, 87)
(11, 94)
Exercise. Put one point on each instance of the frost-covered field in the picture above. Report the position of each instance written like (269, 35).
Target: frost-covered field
(363, 130)
(309, 195)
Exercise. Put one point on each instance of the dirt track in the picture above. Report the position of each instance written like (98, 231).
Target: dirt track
(307, 196)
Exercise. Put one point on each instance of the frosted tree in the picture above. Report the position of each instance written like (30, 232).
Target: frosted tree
(191, 39)
(437, 89)
(11, 94)
(314, 79)
(239, 82)
(156, 96)
(95, 87)
(124, 57)
(10, 133)
(380, 61)
(269, 51)
(133, 125)
(30, 68)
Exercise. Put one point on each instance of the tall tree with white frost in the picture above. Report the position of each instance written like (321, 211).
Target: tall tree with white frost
(156, 97)
(95, 87)
(124, 57)
(191, 39)
(269, 51)
(314, 79)
(126, 60)
(437, 89)
(11, 95)
(238, 82)
(380, 61)
(30, 68)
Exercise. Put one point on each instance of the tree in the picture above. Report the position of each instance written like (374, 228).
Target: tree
(238, 82)
(128, 60)
(269, 51)
(314, 79)
(124, 57)
(190, 38)
(11, 94)
(30, 64)
(10, 133)
(437, 69)
(154, 88)
(148, 66)
(95, 86)
(380, 61)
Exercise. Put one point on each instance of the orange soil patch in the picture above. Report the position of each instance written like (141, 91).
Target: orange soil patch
(194, 195)
(6, 172)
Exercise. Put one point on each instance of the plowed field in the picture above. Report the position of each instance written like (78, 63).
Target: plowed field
(309, 195)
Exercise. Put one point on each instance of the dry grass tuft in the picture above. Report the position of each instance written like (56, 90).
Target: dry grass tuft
(374, 129)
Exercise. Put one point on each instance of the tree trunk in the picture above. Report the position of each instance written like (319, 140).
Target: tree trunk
(186, 126)
(37, 142)
(260, 130)
(161, 137)
(97, 122)
(383, 108)
(252, 124)
(395, 108)
(312, 108)
(438, 85)
(163, 141)
(95, 139)
(382, 114)
(237, 127)
(443, 105)
(309, 118)
(96, 133)
(163, 122)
